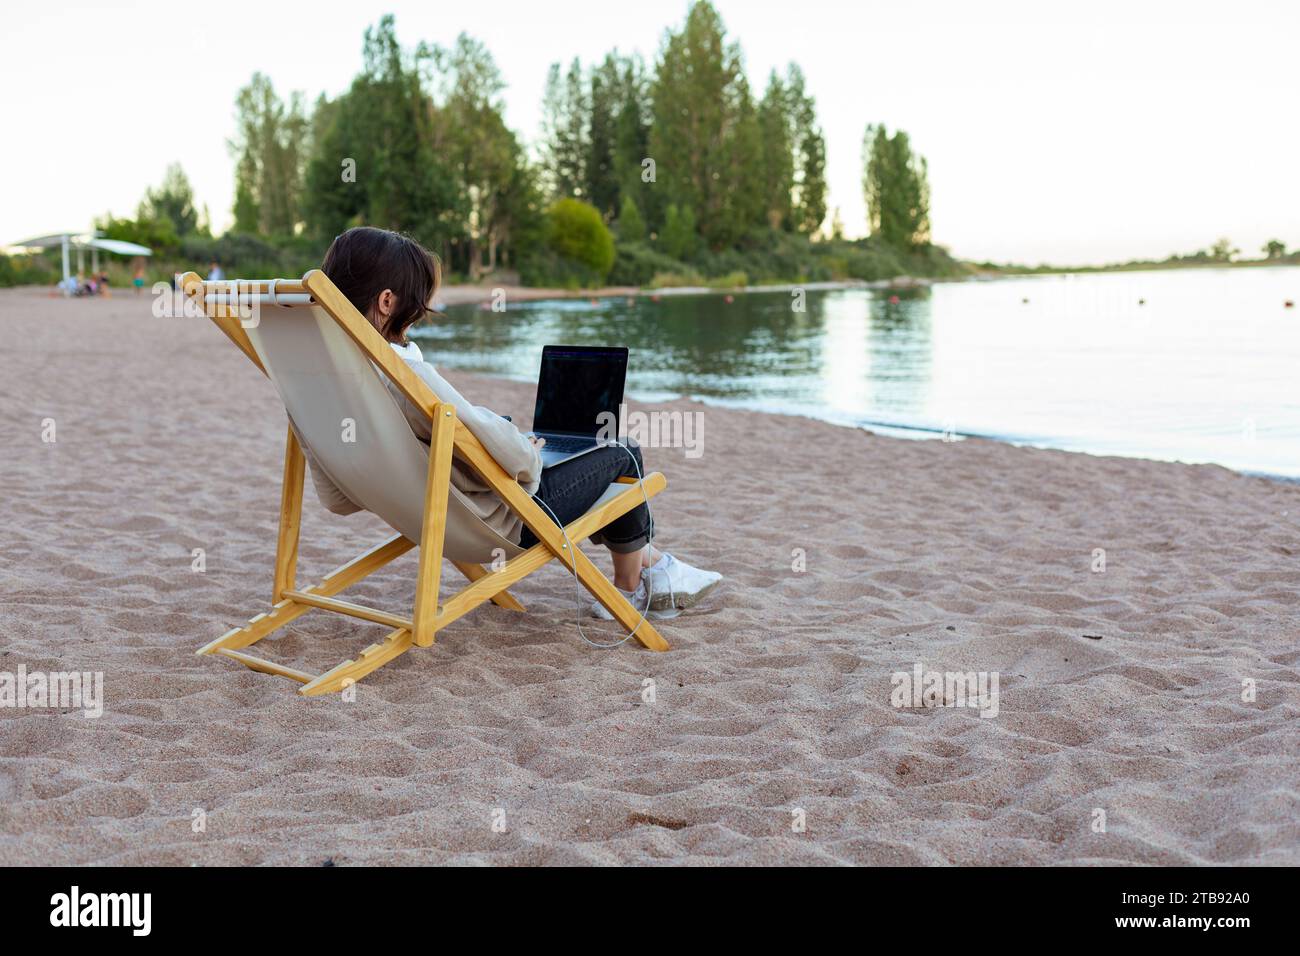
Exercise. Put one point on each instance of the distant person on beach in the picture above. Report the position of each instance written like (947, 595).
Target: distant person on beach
(214, 272)
(137, 279)
(391, 279)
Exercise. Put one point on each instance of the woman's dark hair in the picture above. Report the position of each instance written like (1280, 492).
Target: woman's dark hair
(365, 261)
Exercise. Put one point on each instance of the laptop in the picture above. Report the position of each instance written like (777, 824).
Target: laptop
(576, 386)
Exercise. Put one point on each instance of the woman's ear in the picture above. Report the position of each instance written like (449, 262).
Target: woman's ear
(386, 302)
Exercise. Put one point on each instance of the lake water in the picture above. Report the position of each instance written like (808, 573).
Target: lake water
(1198, 365)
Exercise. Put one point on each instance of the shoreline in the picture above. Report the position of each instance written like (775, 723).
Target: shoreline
(476, 294)
(464, 294)
(471, 295)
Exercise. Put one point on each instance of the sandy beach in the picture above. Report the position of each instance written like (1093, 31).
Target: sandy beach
(1120, 690)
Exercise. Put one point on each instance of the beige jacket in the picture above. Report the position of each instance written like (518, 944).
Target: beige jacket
(503, 440)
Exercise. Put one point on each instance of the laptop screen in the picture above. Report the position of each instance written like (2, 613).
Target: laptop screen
(576, 384)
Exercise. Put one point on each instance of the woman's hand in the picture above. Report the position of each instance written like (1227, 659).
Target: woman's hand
(537, 441)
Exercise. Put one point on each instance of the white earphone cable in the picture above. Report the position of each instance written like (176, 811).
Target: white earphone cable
(577, 584)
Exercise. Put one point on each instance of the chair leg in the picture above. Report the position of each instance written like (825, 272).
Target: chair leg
(428, 616)
(436, 489)
(557, 542)
(286, 545)
(288, 610)
(604, 591)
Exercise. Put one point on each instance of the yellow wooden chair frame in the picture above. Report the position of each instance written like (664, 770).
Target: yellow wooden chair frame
(449, 437)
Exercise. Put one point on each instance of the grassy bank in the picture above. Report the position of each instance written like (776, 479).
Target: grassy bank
(765, 258)
(1199, 261)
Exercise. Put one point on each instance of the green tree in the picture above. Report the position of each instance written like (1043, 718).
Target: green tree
(522, 222)
(777, 159)
(246, 209)
(1223, 250)
(375, 161)
(602, 185)
(677, 238)
(485, 157)
(565, 131)
(1274, 249)
(329, 203)
(157, 234)
(896, 187)
(632, 138)
(172, 202)
(809, 159)
(631, 226)
(595, 131)
(705, 139)
(577, 232)
(837, 226)
(270, 149)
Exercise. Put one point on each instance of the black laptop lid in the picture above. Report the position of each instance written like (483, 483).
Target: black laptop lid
(576, 384)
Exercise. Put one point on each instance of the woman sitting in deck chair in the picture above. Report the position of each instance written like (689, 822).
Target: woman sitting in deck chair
(391, 280)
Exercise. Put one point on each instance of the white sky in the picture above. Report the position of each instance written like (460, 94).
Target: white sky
(1064, 132)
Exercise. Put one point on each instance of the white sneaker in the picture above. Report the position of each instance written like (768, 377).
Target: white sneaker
(636, 598)
(675, 584)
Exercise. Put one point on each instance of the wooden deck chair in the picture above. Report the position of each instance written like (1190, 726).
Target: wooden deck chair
(325, 359)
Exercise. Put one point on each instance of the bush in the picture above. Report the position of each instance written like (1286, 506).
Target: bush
(677, 280)
(872, 260)
(576, 232)
(638, 264)
(837, 266)
(28, 270)
(677, 239)
(732, 280)
(158, 234)
(544, 268)
(768, 255)
(246, 256)
(764, 256)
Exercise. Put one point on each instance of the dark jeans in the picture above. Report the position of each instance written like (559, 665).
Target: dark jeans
(571, 488)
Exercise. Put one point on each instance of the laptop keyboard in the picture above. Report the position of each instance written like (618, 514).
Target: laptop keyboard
(564, 443)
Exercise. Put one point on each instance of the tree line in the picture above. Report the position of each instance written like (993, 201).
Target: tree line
(641, 173)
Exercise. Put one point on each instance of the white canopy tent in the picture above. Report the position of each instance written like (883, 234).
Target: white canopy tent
(94, 241)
